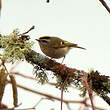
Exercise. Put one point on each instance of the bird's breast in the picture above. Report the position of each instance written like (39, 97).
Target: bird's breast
(55, 53)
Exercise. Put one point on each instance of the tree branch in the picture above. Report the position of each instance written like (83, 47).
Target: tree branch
(51, 97)
(98, 83)
(48, 64)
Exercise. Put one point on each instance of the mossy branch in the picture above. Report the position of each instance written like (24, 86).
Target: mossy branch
(100, 84)
(18, 47)
(14, 46)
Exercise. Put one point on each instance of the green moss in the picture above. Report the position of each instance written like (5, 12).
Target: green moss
(14, 48)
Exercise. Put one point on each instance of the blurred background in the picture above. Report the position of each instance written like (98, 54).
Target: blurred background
(86, 23)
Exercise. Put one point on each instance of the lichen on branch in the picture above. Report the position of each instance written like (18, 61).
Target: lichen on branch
(17, 46)
(14, 46)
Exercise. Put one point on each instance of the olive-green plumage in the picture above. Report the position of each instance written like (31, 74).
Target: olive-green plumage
(55, 47)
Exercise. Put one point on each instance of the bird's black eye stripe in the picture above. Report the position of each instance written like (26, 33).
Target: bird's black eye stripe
(46, 37)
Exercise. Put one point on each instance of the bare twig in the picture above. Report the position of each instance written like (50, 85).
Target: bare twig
(14, 87)
(31, 78)
(51, 97)
(61, 99)
(28, 30)
(90, 92)
(105, 5)
(62, 90)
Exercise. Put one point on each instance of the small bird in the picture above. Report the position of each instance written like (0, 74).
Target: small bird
(55, 47)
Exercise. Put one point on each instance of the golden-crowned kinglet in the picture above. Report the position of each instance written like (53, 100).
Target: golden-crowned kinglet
(55, 47)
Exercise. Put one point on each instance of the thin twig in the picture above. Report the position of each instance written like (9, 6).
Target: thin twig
(25, 109)
(53, 97)
(105, 5)
(31, 78)
(62, 91)
(61, 98)
(90, 92)
(3, 63)
(28, 30)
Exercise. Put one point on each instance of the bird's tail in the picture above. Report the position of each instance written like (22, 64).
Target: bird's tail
(72, 45)
(75, 46)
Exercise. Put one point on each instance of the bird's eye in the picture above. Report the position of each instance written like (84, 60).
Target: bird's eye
(62, 42)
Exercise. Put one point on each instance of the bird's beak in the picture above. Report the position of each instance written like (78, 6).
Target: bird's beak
(37, 40)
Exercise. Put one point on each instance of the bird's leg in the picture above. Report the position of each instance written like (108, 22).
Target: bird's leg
(63, 59)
